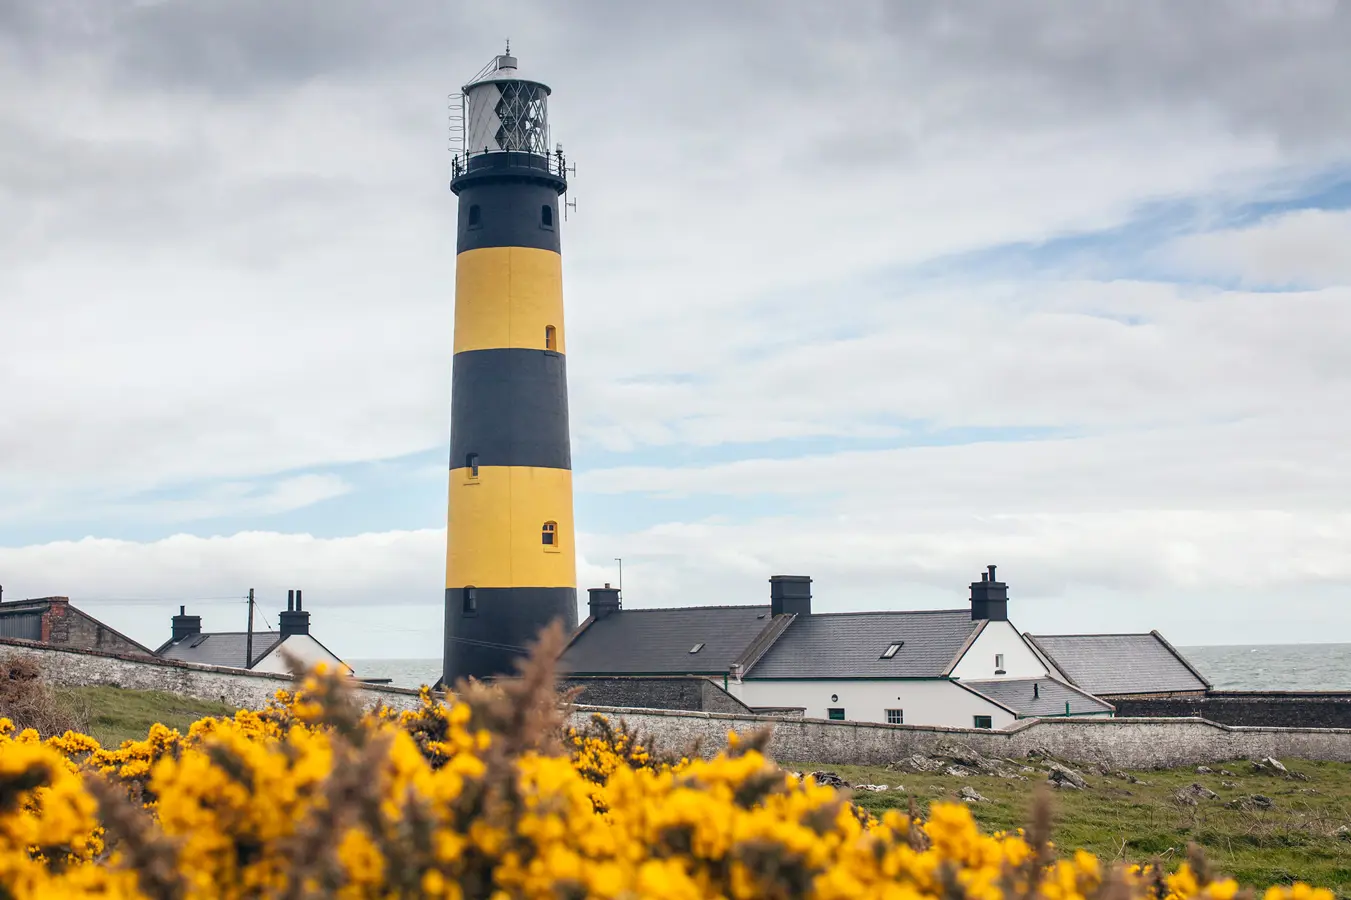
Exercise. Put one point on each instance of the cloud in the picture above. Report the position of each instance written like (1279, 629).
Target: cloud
(230, 259)
(1301, 249)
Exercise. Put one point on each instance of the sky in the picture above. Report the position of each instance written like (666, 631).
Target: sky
(878, 293)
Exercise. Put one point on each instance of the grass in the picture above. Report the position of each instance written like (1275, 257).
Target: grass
(116, 714)
(1296, 839)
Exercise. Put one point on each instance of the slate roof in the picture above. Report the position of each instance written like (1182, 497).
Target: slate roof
(850, 645)
(1048, 699)
(658, 641)
(1115, 664)
(219, 648)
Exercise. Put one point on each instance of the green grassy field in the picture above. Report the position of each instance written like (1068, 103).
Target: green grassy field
(1296, 839)
(116, 715)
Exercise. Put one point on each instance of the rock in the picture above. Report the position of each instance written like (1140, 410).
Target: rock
(1062, 776)
(1194, 794)
(958, 772)
(917, 762)
(1204, 770)
(1343, 833)
(876, 788)
(1229, 784)
(1299, 776)
(1269, 766)
(829, 779)
(971, 795)
(1227, 774)
(1255, 801)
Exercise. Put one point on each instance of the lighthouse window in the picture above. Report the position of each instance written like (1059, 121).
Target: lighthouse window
(549, 534)
(469, 601)
(550, 338)
(475, 216)
(471, 462)
(546, 216)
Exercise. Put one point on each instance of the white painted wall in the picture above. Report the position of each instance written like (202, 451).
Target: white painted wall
(978, 664)
(303, 646)
(937, 702)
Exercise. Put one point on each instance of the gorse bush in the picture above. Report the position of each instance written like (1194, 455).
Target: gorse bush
(491, 795)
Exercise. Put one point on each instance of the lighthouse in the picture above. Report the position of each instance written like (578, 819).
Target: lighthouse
(510, 556)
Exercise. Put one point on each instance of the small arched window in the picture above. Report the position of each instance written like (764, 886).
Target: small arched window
(546, 216)
(471, 463)
(469, 601)
(550, 337)
(475, 216)
(549, 534)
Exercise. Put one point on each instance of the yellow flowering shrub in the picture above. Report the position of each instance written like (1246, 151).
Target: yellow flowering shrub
(489, 794)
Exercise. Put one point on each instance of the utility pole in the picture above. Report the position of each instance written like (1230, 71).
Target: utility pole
(248, 639)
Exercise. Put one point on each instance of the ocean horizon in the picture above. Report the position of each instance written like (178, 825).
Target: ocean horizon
(1233, 667)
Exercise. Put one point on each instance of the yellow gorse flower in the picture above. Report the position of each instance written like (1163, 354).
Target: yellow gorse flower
(458, 798)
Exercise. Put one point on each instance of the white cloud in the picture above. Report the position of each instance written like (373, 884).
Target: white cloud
(1303, 248)
(222, 262)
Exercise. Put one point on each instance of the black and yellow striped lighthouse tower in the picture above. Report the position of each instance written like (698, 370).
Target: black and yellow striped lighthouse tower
(510, 557)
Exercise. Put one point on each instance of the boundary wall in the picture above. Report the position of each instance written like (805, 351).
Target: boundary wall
(1120, 743)
(1111, 743)
(237, 687)
(1288, 709)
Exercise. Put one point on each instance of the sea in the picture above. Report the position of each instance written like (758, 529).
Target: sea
(1255, 667)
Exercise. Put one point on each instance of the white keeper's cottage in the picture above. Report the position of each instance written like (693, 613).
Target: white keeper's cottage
(966, 668)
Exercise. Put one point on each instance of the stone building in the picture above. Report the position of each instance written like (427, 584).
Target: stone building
(54, 621)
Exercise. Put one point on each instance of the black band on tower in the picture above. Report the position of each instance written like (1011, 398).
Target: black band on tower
(490, 637)
(510, 406)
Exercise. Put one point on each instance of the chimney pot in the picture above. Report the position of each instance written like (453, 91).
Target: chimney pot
(298, 600)
(989, 598)
(290, 600)
(790, 594)
(184, 625)
(602, 602)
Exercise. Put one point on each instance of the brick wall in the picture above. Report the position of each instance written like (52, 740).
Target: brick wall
(1280, 709)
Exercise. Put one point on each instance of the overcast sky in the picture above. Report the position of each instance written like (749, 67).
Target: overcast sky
(880, 293)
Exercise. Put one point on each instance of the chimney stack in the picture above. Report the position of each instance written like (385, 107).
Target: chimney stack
(185, 625)
(293, 620)
(790, 594)
(989, 598)
(602, 601)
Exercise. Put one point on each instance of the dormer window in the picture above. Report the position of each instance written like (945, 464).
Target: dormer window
(892, 649)
(697, 647)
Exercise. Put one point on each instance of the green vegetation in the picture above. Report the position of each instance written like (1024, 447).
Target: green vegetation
(1304, 835)
(116, 714)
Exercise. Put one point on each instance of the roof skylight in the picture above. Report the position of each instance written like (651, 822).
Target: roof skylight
(697, 647)
(892, 649)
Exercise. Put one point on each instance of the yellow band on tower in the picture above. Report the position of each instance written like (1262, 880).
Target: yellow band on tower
(508, 297)
(497, 526)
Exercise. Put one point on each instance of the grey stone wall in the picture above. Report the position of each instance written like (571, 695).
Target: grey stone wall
(682, 692)
(238, 688)
(72, 628)
(1281, 709)
(1117, 743)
